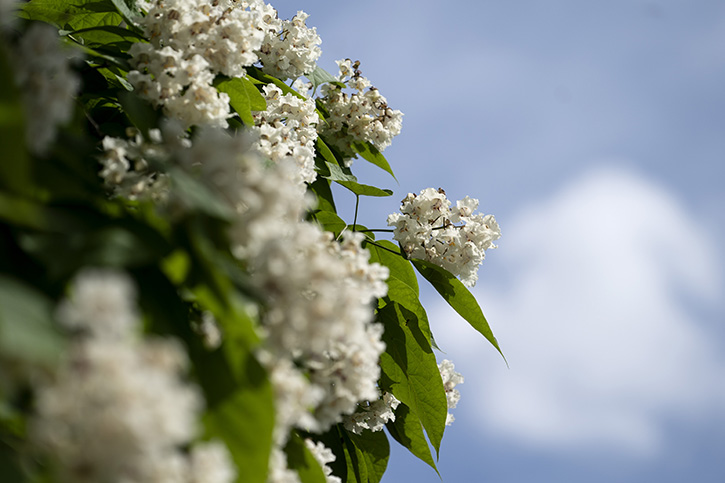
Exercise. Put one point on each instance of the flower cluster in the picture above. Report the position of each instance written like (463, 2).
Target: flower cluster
(451, 379)
(319, 313)
(363, 116)
(288, 129)
(126, 171)
(426, 229)
(323, 455)
(192, 42)
(123, 391)
(372, 415)
(47, 82)
(321, 346)
(290, 48)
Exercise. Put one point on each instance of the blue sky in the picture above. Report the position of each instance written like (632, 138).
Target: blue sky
(595, 132)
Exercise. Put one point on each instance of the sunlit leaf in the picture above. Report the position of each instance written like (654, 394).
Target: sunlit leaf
(319, 76)
(300, 459)
(370, 153)
(375, 451)
(244, 97)
(410, 370)
(75, 15)
(458, 297)
(407, 430)
(387, 253)
(350, 182)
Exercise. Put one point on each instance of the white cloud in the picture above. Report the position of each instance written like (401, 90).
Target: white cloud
(591, 316)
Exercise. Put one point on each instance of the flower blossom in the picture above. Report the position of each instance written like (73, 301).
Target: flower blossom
(125, 391)
(287, 129)
(363, 116)
(47, 84)
(451, 379)
(426, 228)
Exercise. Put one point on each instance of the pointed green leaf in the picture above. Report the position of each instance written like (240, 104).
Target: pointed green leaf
(357, 468)
(370, 153)
(458, 297)
(410, 370)
(325, 200)
(401, 293)
(244, 97)
(407, 430)
(103, 35)
(330, 222)
(375, 449)
(399, 267)
(245, 421)
(129, 11)
(257, 73)
(325, 151)
(350, 182)
(300, 458)
(78, 14)
(319, 76)
(364, 189)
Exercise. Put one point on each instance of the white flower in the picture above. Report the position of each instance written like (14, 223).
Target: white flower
(291, 50)
(287, 129)
(426, 229)
(126, 171)
(192, 42)
(372, 415)
(47, 83)
(451, 379)
(211, 463)
(363, 116)
(323, 455)
(118, 408)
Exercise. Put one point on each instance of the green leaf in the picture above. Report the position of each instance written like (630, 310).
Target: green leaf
(350, 182)
(325, 152)
(129, 11)
(15, 167)
(407, 430)
(27, 331)
(106, 36)
(364, 190)
(325, 200)
(75, 15)
(244, 97)
(330, 222)
(257, 73)
(458, 297)
(399, 266)
(319, 76)
(375, 451)
(139, 112)
(300, 458)
(401, 293)
(402, 282)
(245, 421)
(198, 196)
(357, 468)
(370, 153)
(410, 370)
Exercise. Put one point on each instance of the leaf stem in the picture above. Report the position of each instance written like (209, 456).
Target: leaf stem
(357, 203)
(386, 248)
